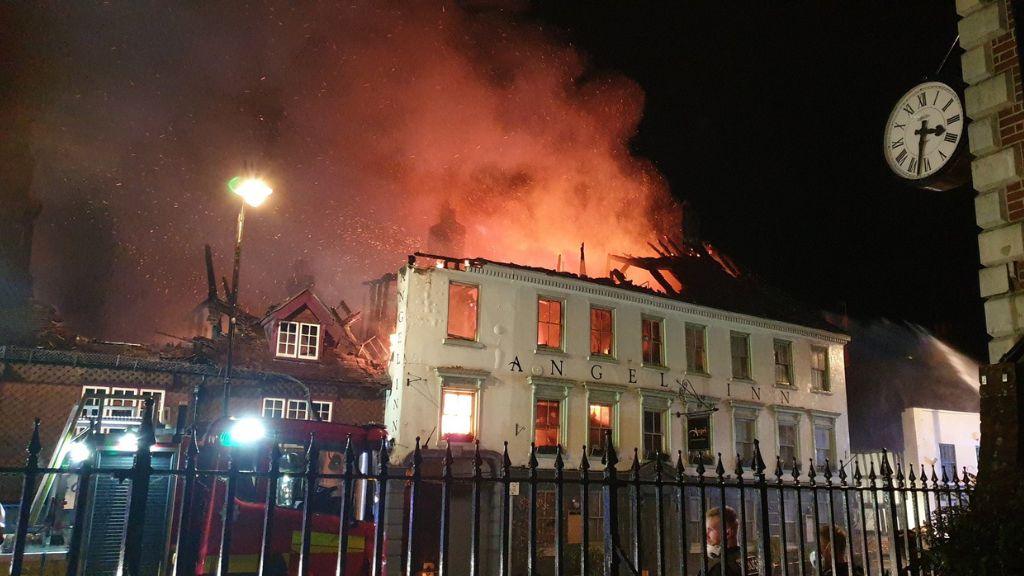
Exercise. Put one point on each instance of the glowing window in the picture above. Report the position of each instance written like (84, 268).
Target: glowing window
(740, 345)
(462, 310)
(458, 413)
(601, 331)
(546, 425)
(696, 349)
(819, 368)
(273, 407)
(652, 344)
(600, 423)
(549, 323)
(91, 406)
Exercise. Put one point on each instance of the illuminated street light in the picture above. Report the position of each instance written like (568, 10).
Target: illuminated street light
(253, 191)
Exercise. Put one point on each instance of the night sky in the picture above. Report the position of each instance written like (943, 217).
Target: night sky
(369, 116)
(769, 121)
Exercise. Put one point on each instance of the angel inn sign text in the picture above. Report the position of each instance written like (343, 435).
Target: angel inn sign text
(495, 352)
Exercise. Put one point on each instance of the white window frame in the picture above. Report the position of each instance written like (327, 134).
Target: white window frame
(662, 361)
(788, 418)
(611, 346)
(826, 383)
(660, 405)
(448, 313)
(474, 412)
(746, 338)
(550, 390)
(158, 404)
(294, 406)
(110, 410)
(283, 404)
(92, 408)
(829, 423)
(704, 348)
(319, 407)
(300, 327)
(788, 344)
(561, 322)
(749, 414)
(605, 395)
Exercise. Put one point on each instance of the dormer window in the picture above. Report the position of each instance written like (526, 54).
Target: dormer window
(298, 340)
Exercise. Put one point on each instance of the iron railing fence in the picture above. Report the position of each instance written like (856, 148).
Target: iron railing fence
(650, 519)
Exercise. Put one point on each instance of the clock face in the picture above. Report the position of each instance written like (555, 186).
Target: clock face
(924, 130)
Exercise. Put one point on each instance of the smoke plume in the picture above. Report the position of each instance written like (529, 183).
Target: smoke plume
(367, 117)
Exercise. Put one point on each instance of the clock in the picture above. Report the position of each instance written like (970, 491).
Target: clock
(925, 137)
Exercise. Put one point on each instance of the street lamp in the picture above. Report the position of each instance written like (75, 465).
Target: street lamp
(253, 191)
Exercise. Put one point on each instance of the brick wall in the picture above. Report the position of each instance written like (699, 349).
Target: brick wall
(995, 105)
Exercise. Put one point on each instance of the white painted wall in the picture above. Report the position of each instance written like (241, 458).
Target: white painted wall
(924, 429)
(507, 332)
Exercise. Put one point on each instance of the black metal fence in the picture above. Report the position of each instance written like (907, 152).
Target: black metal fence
(649, 519)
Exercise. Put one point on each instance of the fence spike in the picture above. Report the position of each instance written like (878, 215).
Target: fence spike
(657, 465)
(720, 469)
(506, 462)
(795, 470)
(385, 455)
(610, 458)
(350, 455)
(584, 462)
(758, 464)
(924, 477)
(446, 462)
(700, 464)
(635, 468)
(811, 473)
(935, 479)
(886, 470)
(967, 478)
(738, 471)
(945, 477)
(533, 463)
(34, 445)
(899, 473)
(778, 468)
(827, 473)
(559, 463)
(956, 479)
(871, 474)
(679, 465)
(857, 477)
(911, 477)
(842, 473)
(417, 456)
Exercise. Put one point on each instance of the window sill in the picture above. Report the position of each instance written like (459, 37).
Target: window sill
(822, 392)
(701, 374)
(742, 380)
(550, 351)
(464, 343)
(602, 358)
(785, 386)
(657, 367)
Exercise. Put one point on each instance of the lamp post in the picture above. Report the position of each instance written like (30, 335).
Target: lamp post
(252, 191)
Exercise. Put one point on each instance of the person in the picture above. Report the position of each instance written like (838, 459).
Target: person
(722, 530)
(825, 538)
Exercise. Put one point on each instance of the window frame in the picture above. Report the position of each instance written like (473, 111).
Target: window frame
(788, 344)
(110, 408)
(787, 418)
(561, 323)
(473, 418)
(659, 404)
(747, 365)
(690, 365)
(448, 313)
(159, 397)
(94, 403)
(827, 423)
(325, 403)
(750, 415)
(661, 362)
(943, 463)
(316, 342)
(295, 344)
(288, 409)
(263, 407)
(550, 390)
(298, 345)
(691, 454)
(611, 333)
(826, 383)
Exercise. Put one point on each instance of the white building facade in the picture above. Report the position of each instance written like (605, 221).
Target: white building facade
(949, 440)
(493, 353)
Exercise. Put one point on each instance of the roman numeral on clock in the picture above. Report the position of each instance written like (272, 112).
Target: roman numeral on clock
(897, 144)
(922, 99)
(908, 108)
(943, 155)
(898, 125)
(901, 157)
(948, 104)
(951, 137)
(913, 165)
(927, 165)
(953, 120)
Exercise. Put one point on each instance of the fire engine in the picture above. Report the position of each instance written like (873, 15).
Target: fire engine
(250, 442)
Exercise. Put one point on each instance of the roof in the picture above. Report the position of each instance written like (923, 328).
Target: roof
(305, 298)
(695, 273)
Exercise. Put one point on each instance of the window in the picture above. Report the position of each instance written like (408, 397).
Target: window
(789, 437)
(298, 340)
(698, 438)
(654, 434)
(91, 406)
(273, 407)
(287, 339)
(783, 363)
(600, 424)
(824, 442)
(323, 409)
(458, 413)
(601, 332)
(462, 310)
(296, 410)
(158, 403)
(549, 323)
(740, 346)
(547, 425)
(947, 459)
(309, 341)
(119, 404)
(745, 430)
(652, 344)
(696, 349)
(819, 368)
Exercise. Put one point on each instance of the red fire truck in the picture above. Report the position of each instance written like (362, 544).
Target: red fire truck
(250, 441)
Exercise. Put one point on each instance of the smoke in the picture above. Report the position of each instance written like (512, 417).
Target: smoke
(367, 117)
(893, 366)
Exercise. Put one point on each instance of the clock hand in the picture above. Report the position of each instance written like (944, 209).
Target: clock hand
(921, 133)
